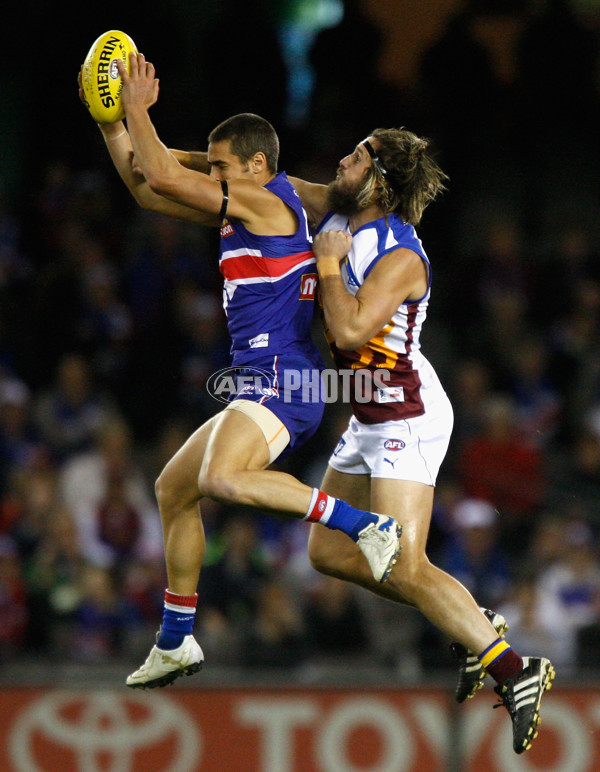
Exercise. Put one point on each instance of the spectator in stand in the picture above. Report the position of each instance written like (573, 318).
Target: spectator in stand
(499, 465)
(13, 600)
(336, 623)
(277, 636)
(575, 364)
(144, 588)
(201, 327)
(470, 389)
(230, 586)
(521, 611)
(575, 475)
(474, 553)
(30, 504)
(103, 619)
(547, 543)
(54, 572)
(70, 412)
(107, 493)
(537, 399)
(568, 591)
(104, 325)
(20, 447)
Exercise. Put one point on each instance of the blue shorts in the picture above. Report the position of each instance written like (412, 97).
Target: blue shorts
(289, 386)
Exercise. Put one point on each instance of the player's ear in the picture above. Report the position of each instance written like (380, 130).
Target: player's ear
(258, 163)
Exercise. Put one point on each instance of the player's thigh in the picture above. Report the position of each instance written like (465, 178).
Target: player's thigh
(180, 475)
(324, 543)
(411, 503)
(237, 443)
(354, 489)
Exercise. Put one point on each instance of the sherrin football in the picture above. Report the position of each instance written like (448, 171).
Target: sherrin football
(100, 79)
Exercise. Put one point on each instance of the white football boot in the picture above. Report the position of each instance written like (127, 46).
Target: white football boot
(380, 544)
(163, 666)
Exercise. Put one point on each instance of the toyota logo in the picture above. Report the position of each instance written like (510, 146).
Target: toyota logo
(104, 731)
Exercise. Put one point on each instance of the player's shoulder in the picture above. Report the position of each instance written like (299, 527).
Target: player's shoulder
(394, 232)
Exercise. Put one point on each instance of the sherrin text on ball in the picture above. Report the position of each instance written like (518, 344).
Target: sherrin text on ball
(102, 85)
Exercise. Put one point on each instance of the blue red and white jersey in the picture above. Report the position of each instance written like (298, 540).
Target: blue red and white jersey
(270, 285)
(412, 380)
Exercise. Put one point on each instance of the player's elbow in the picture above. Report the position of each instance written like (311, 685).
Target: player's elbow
(350, 339)
(160, 182)
(144, 199)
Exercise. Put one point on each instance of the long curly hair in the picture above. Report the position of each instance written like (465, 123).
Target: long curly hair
(413, 178)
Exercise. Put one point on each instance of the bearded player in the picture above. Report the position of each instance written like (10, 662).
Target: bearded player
(375, 283)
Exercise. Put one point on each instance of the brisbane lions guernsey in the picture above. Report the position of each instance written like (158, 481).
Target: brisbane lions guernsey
(270, 286)
(390, 375)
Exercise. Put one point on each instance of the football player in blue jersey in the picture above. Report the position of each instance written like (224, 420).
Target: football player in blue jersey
(266, 257)
(375, 281)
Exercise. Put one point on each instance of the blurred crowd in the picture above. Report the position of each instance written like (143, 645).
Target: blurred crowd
(111, 324)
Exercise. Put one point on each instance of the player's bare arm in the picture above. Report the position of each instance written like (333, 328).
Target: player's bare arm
(197, 160)
(313, 197)
(120, 150)
(257, 208)
(354, 319)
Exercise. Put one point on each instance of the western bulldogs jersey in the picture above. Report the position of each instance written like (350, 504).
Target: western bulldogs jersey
(270, 285)
(412, 381)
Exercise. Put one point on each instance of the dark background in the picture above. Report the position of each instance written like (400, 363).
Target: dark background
(507, 91)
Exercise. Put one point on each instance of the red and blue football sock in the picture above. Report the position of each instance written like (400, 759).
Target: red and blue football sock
(178, 619)
(337, 515)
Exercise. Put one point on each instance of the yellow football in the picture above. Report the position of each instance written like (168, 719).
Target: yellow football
(100, 79)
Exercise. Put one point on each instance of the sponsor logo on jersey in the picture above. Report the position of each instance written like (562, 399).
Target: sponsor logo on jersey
(308, 286)
(394, 445)
(260, 341)
(226, 229)
(390, 394)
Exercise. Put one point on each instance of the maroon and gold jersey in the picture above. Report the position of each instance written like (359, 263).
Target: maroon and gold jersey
(396, 348)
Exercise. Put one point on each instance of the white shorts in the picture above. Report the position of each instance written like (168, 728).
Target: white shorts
(412, 449)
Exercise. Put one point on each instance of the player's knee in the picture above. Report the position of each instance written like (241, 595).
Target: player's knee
(164, 490)
(215, 483)
(319, 556)
(322, 557)
(174, 491)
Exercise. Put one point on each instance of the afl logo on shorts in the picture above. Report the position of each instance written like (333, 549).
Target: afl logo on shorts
(394, 444)
(308, 286)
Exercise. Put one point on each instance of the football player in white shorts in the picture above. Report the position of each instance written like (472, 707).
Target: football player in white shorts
(375, 281)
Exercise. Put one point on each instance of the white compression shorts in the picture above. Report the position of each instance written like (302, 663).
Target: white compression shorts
(275, 432)
(411, 449)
